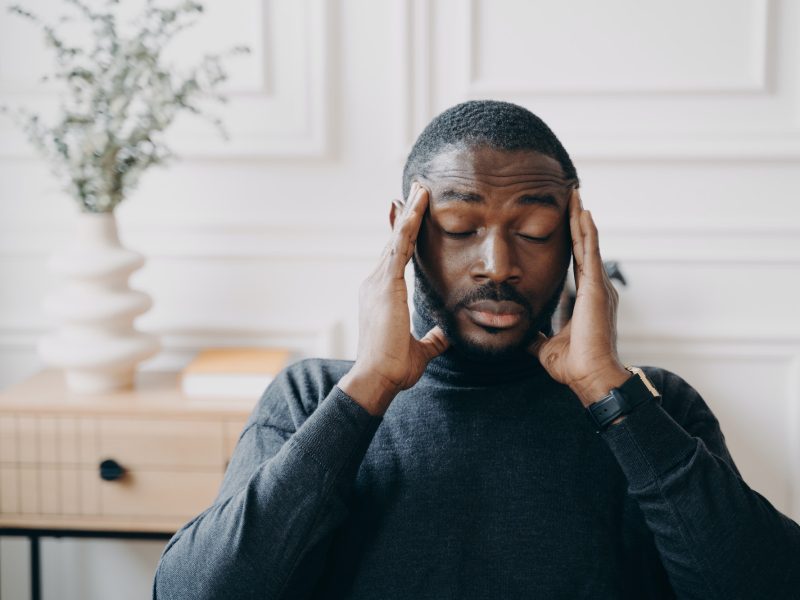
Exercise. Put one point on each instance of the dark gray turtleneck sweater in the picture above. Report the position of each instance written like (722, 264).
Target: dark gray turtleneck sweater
(479, 482)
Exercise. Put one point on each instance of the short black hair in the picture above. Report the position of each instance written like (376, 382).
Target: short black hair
(499, 125)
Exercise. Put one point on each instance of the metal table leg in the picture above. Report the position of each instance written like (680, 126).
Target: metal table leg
(36, 582)
(35, 535)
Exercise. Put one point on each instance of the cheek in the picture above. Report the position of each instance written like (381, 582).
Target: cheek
(554, 260)
(443, 264)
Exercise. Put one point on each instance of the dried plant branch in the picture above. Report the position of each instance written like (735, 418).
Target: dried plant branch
(120, 97)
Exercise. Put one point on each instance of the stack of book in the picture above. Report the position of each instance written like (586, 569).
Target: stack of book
(232, 372)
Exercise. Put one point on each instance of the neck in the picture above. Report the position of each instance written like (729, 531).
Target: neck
(454, 366)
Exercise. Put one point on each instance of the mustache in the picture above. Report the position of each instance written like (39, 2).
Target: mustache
(497, 292)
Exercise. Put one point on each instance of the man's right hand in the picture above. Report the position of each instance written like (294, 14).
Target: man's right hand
(389, 358)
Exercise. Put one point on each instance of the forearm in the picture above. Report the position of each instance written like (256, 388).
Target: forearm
(247, 545)
(717, 538)
(369, 390)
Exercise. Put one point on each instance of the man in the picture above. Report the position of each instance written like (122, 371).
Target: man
(484, 457)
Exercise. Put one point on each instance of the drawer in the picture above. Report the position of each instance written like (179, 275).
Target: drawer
(9, 447)
(131, 441)
(173, 467)
(159, 494)
(9, 490)
(160, 443)
(81, 492)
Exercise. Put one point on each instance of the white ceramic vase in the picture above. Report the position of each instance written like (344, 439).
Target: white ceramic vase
(95, 342)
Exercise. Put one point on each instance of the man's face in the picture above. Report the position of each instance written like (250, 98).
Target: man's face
(493, 248)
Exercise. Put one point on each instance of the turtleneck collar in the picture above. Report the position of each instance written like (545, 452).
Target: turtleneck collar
(453, 367)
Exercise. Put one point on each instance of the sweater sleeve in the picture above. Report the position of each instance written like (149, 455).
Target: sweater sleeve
(283, 494)
(717, 538)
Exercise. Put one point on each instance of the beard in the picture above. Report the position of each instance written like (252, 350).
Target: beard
(431, 307)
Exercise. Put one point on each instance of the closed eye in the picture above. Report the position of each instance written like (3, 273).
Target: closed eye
(530, 238)
(465, 234)
(457, 234)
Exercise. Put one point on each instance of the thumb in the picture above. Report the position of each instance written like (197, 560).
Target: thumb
(434, 343)
(536, 346)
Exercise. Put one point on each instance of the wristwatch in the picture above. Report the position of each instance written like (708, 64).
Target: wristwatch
(622, 400)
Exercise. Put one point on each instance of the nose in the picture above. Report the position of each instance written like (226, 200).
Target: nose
(496, 260)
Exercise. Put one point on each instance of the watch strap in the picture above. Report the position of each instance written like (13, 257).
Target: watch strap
(621, 400)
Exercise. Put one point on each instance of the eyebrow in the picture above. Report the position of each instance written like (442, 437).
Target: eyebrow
(473, 198)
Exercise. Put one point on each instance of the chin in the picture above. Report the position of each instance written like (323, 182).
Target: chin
(491, 343)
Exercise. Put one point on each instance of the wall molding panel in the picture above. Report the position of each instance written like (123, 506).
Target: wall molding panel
(653, 22)
(776, 394)
(748, 115)
(793, 417)
(414, 18)
(278, 109)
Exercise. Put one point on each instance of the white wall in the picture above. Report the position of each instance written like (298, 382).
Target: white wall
(682, 118)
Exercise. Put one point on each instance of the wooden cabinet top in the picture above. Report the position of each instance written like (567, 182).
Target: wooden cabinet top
(154, 392)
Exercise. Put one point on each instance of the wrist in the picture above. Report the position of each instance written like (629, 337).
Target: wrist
(594, 388)
(368, 389)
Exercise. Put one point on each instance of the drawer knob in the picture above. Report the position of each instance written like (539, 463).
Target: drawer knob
(111, 470)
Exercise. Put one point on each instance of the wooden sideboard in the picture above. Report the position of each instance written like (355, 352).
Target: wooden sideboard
(140, 460)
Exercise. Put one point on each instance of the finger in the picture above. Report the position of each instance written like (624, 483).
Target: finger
(575, 206)
(592, 262)
(412, 191)
(409, 223)
(387, 247)
(405, 235)
(536, 346)
(434, 343)
(576, 232)
(612, 289)
(400, 209)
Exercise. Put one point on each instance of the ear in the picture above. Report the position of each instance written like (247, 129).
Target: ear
(395, 211)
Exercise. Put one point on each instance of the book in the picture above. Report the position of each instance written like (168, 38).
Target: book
(232, 372)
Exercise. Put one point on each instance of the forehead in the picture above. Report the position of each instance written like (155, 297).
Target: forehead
(481, 165)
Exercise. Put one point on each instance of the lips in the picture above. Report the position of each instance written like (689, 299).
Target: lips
(500, 315)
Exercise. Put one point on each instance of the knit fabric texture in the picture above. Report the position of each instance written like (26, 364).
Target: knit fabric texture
(480, 482)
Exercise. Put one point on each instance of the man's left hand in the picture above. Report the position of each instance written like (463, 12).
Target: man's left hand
(583, 355)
